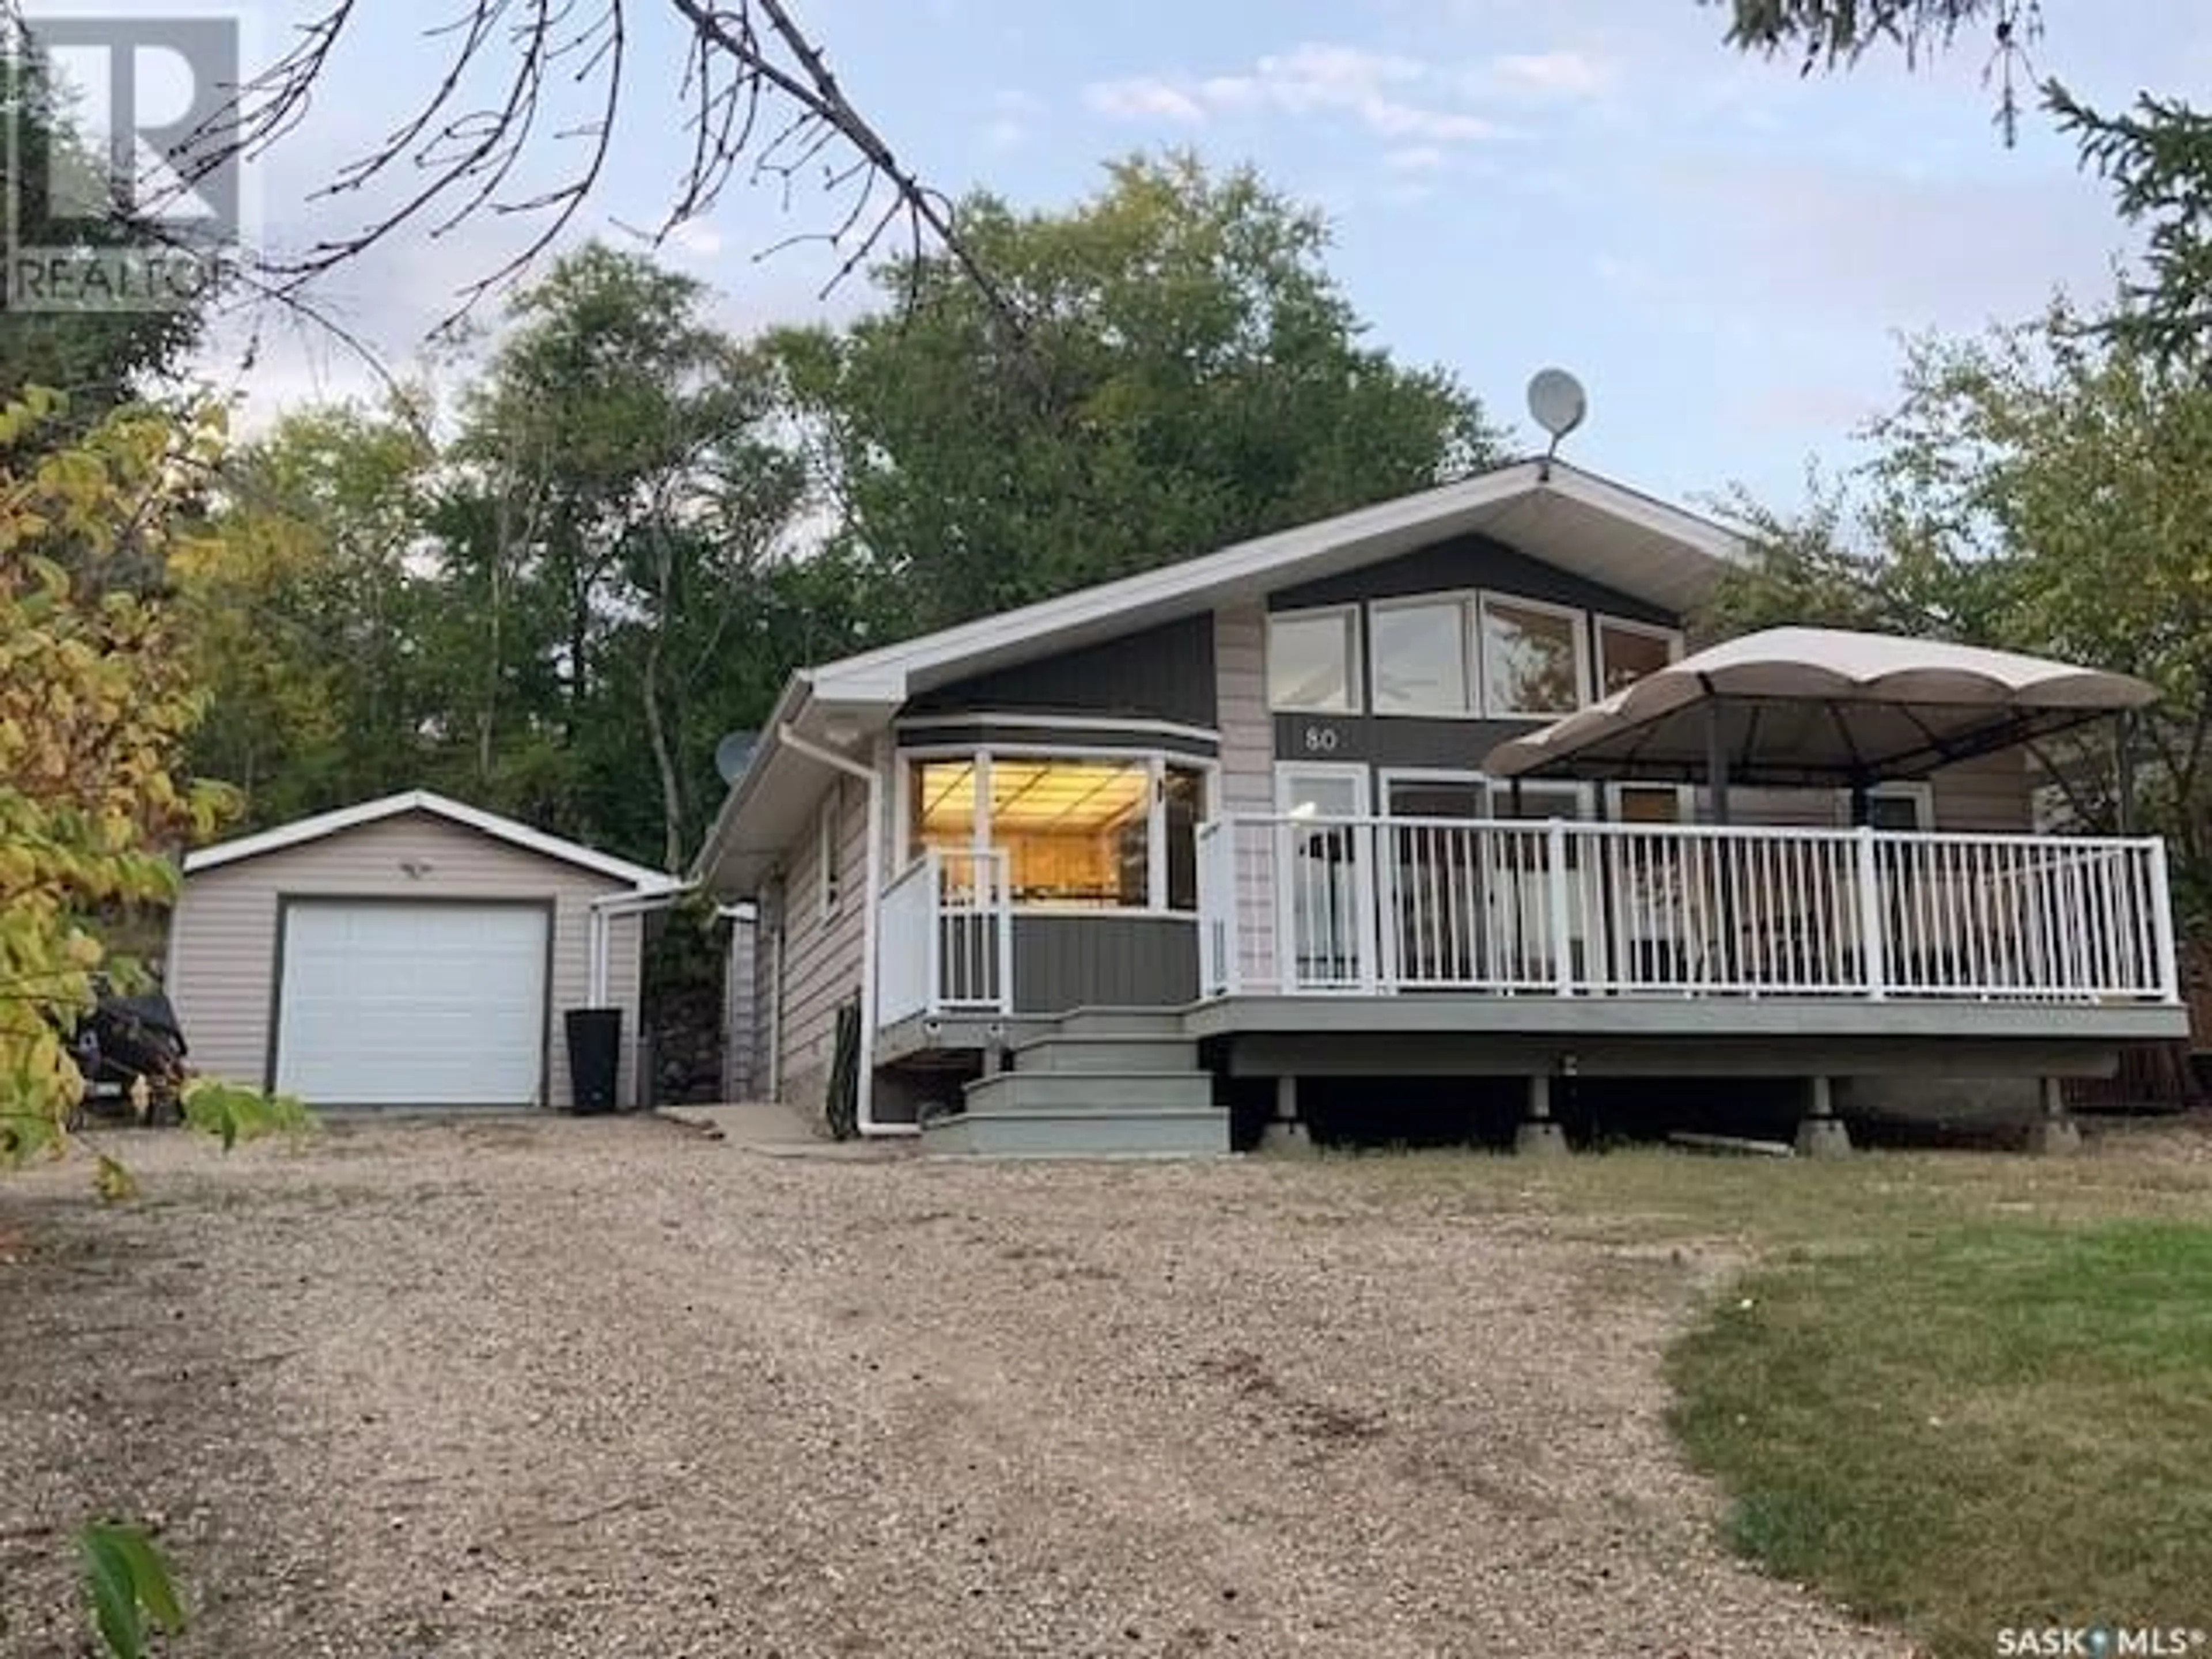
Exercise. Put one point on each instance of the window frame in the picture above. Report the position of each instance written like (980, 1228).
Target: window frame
(1464, 600)
(1156, 761)
(1599, 621)
(1352, 616)
(1578, 633)
(1920, 792)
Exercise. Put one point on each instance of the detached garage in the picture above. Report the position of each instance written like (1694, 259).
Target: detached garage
(408, 951)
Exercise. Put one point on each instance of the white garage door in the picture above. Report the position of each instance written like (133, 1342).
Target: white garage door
(412, 1005)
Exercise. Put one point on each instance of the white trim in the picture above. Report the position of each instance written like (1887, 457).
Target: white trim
(1355, 668)
(322, 824)
(1145, 728)
(1578, 623)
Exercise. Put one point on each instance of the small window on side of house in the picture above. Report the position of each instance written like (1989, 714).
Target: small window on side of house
(1626, 652)
(1313, 660)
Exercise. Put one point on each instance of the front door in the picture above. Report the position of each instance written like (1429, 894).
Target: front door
(1324, 905)
(1525, 955)
(1432, 879)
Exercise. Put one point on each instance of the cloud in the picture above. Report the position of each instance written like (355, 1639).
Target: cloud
(1392, 96)
(1143, 97)
(1416, 158)
(1562, 75)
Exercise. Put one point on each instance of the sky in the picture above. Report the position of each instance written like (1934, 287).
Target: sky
(1725, 252)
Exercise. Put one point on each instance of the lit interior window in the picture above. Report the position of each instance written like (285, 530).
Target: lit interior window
(1074, 831)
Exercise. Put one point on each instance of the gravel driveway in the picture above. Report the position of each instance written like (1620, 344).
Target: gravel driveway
(601, 1388)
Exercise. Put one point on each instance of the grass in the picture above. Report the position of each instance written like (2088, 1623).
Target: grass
(1953, 1393)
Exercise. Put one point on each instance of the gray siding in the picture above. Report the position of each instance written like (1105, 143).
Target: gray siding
(822, 952)
(1160, 673)
(1991, 794)
(1463, 562)
(1066, 961)
(223, 942)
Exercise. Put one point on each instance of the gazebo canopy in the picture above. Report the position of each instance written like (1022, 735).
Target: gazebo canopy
(1818, 708)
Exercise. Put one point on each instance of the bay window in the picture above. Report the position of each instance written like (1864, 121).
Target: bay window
(1087, 832)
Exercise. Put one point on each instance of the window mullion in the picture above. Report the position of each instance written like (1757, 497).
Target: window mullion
(1156, 833)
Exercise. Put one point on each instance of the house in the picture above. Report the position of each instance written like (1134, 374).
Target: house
(1084, 875)
(411, 951)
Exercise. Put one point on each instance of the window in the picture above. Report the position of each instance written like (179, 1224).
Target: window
(1075, 830)
(1649, 803)
(829, 851)
(1626, 652)
(1313, 660)
(1908, 806)
(1532, 659)
(1419, 654)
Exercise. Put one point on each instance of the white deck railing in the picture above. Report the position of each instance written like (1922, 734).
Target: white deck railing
(1291, 906)
(944, 938)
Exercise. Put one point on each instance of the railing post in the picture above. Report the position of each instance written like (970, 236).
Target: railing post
(2162, 922)
(1563, 955)
(933, 939)
(1871, 953)
(1002, 885)
(1366, 906)
(1286, 910)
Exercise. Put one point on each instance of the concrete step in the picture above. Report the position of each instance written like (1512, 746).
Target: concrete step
(1106, 1051)
(1141, 1133)
(1107, 1092)
(1119, 1022)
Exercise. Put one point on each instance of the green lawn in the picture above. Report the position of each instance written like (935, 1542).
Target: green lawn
(1955, 1393)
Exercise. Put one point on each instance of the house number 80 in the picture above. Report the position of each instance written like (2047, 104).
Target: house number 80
(1321, 741)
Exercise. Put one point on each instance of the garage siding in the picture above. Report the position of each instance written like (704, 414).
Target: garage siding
(222, 944)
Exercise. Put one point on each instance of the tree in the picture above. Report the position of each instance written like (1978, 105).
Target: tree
(1189, 374)
(2044, 489)
(2157, 154)
(641, 447)
(516, 117)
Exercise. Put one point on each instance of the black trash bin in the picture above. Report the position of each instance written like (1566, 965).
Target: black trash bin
(594, 1057)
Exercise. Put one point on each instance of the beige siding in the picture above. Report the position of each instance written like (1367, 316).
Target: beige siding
(821, 966)
(222, 949)
(1248, 761)
(1990, 795)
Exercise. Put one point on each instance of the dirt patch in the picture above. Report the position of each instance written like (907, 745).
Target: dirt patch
(590, 1386)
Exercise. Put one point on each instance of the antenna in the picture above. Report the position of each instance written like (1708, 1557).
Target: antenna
(734, 753)
(1558, 403)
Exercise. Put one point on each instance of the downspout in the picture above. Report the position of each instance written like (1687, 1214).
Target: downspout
(865, 1085)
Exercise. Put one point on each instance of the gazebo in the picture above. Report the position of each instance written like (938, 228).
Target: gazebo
(1818, 708)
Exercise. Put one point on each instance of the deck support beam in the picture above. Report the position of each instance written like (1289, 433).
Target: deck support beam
(1538, 1135)
(1821, 1133)
(2055, 1133)
(1286, 1131)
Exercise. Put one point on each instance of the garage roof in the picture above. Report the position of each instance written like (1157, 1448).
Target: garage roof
(423, 800)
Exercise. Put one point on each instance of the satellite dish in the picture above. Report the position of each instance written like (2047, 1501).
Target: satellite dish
(1557, 402)
(734, 753)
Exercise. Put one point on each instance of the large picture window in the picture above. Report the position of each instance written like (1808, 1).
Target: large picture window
(1090, 832)
(1313, 660)
(1532, 659)
(1420, 658)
